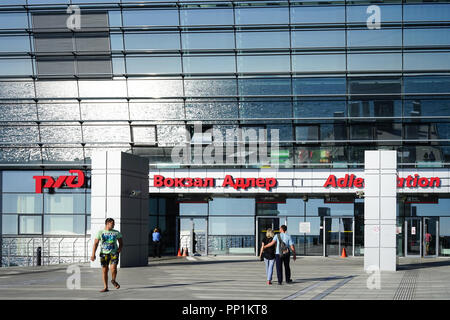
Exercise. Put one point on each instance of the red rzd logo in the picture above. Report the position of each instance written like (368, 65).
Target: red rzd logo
(51, 183)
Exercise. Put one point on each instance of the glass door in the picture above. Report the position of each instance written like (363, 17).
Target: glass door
(338, 234)
(413, 239)
(262, 225)
(193, 235)
(430, 236)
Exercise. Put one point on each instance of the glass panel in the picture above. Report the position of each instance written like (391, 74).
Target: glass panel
(414, 239)
(15, 44)
(310, 15)
(155, 88)
(310, 244)
(427, 61)
(234, 235)
(444, 236)
(318, 62)
(430, 236)
(64, 225)
(375, 108)
(250, 40)
(262, 15)
(150, 17)
(230, 226)
(367, 62)
(14, 20)
(139, 65)
(389, 13)
(436, 84)
(22, 203)
(426, 107)
(104, 111)
(428, 209)
(9, 224)
(322, 155)
(427, 37)
(267, 86)
(193, 209)
(57, 89)
(199, 235)
(374, 38)
(205, 88)
(19, 181)
(30, 224)
(232, 206)
(107, 133)
(426, 12)
(102, 88)
(275, 109)
(17, 89)
(319, 108)
(64, 203)
(152, 41)
(312, 39)
(15, 67)
(306, 133)
(291, 207)
(319, 86)
(211, 110)
(144, 134)
(209, 64)
(209, 40)
(332, 233)
(346, 236)
(206, 17)
(317, 207)
(270, 63)
(60, 134)
(156, 110)
(56, 111)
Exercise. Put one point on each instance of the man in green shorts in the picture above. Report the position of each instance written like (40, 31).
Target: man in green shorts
(109, 253)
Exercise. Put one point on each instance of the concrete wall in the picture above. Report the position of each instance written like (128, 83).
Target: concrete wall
(380, 210)
(114, 176)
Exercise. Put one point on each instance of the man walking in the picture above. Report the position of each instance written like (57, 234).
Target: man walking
(279, 261)
(156, 237)
(109, 252)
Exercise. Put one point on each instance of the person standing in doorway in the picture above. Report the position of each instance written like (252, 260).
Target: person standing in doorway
(109, 252)
(156, 237)
(280, 261)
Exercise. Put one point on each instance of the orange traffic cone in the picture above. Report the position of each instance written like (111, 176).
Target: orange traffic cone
(179, 253)
(344, 253)
(185, 252)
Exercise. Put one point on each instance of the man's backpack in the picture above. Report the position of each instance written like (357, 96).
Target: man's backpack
(284, 250)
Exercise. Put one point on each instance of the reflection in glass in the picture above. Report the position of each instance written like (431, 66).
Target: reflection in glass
(9, 224)
(22, 203)
(64, 203)
(232, 206)
(444, 237)
(30, 224)
(64, 225)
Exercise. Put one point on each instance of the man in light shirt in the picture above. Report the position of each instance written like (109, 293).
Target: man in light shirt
(279, 261)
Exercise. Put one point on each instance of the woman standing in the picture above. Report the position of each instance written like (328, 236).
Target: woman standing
(268, 254)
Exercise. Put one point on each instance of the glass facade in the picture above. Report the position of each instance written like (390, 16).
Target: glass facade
(137, 76)
(318, 73)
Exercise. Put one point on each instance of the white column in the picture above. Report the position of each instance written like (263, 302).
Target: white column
(115, 175)
(380, 210)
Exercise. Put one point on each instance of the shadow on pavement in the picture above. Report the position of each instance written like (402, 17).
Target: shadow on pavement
(179, 284)
(423, 265)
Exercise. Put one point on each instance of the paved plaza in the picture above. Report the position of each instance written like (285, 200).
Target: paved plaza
(234, 278)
